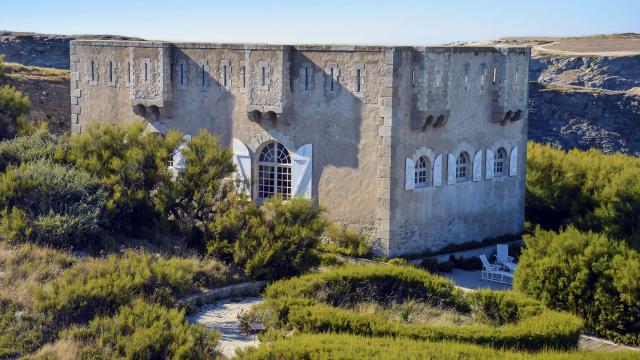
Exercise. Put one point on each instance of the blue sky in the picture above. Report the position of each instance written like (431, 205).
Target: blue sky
(400, 22)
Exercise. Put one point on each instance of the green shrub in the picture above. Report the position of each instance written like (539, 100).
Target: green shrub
(20, 331)
(352, 284)
(13, 105)
(316, 302)
(39, 145)
(341, 346)
(131, 163)
(587, 274)
(281, 239)
(101, 286)
(588, 189)
(52, 204)
(548, 330)
(201, 192)
(342, 240)
(498, 308)
(144, 331)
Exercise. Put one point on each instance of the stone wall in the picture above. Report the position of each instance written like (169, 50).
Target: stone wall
(354, 113)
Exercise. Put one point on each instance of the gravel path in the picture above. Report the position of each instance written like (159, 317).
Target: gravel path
(223, 316)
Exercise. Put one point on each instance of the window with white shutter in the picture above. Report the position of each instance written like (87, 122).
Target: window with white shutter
(489, 165)
(513, 162)
(477, 166)
(451, 169)
(409, 174)
(242, 162)
(301, 171)
(437, 171)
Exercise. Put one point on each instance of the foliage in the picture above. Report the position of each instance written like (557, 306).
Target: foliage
(503, 307)
(588, 189)
(39, 145)
(20, 331)
(28, 267)
(101, 286)
(144, 331)
(131, 163)
(547, 330)
(341, 346)
(588, 274)
(49, 203)
(13, 105)
(280, 239)
(342, 240)
(321, 302)
(202, 190)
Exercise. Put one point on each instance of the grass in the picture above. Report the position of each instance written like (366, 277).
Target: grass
(414, 312)
(18, 72)
(29, 267)
(334, 346)
(100, 286)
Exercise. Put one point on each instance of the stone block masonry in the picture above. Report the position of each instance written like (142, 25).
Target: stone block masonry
(399, 142)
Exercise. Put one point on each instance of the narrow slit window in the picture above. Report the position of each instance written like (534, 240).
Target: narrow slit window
(243, 72)
(516, 76)
(202, 70)
(438, 78)
(224, 75)
(306, 78)
(413, 77)
(110, 71)
(129, 72)
(93, 70)
(181, 74)
(495, 75)
(263, 82)
(146, 72)
(332, 81)
(358, 80)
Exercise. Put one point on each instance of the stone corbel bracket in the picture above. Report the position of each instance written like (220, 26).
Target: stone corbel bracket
(421, 120)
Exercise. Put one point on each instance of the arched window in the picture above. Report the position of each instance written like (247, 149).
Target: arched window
(499, 162)
(462, 167)
(422, 172)
(274, 172)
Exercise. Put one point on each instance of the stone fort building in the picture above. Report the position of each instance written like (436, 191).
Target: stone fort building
(419, 146)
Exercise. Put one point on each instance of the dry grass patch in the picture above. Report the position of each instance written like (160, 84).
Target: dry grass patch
(415, 312)
(18, 72)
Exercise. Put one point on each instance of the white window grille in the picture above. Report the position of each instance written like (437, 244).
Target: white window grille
(499, 162)
(462, 164)
(421, 172)
(274, 172)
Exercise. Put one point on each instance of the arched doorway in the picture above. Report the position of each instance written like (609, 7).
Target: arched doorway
(274, 172)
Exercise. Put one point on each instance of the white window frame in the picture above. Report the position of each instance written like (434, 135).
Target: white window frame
(269, 187)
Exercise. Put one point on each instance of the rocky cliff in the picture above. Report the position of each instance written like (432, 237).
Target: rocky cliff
(586, 101)
(584, 92)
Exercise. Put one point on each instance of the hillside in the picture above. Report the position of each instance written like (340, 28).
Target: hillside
(585, 92)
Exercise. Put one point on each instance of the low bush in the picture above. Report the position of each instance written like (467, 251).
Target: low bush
(342, 346)
(13, 105)
(48, 203)
(39, 145)
(587, 274)
(281, 239)
(548, 330)
(352, 284)
(588, 189)
(28, 267)
(144, 331)
(20, 331)
(319, 302)
(342, 240)
(498, 308)
(101, 286)
(131, 163)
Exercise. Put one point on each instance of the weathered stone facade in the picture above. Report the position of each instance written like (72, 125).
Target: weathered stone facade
(375, 134)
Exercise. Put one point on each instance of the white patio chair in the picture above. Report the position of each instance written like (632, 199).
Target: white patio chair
(503, 259)
(494, 273)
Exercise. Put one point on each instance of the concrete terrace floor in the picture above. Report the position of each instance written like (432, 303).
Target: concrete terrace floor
(472, 280)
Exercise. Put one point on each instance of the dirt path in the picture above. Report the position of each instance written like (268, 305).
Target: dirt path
(223, 316)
